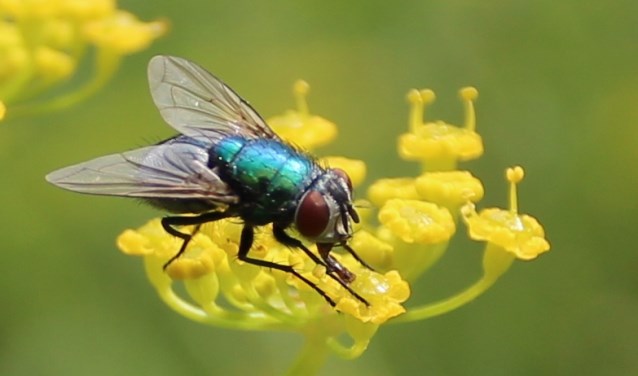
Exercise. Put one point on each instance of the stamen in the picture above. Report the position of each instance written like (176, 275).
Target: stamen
(300, 90)
(514, 175)
(418, 100)
(468, 96)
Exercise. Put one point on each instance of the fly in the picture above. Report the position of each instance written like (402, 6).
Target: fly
(226, 162)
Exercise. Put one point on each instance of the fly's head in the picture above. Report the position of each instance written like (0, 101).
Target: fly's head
(325, 212)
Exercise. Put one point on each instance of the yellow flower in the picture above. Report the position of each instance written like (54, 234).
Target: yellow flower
(86, 10)
(377, 252)
(449, 188)
(418, 231)
(42, 42)
(384, 292)
(13, 52)
(208, 254)
(383, 190)
(123, 33)
(519, 234)
(46, 9)
(438, 145)
(53, 64)
(300, 127)
(417, 221)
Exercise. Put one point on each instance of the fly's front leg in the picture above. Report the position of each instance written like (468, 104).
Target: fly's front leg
(356, 256)
(334, 269)
(246, 242)
(282, 237)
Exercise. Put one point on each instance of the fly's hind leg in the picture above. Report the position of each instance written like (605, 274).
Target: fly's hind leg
(169, 223)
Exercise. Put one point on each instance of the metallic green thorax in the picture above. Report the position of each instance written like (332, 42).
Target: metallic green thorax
(269, 176)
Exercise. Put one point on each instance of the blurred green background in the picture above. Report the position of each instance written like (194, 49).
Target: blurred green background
(558, 83)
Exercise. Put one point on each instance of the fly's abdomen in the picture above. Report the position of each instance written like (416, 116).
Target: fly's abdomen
(267, 173)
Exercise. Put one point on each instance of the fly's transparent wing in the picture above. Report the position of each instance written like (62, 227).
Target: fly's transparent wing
(196, 103)
(169, 170)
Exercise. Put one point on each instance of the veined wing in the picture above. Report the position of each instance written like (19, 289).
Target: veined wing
(196, 103)
(174, 169)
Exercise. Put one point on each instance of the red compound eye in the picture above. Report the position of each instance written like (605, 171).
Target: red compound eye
(313, 215)
(343, 175)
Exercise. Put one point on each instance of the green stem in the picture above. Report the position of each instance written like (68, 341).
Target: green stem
(312, 357)
(444, 306)
(413, 260)
(438, 164)
(496, 261)
(349, 352)
(215, 316)
(206, 313)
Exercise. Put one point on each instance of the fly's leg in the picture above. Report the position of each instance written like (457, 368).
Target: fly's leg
(334, 269)
(246, 242)
(185, 237)
(168, 224)
(356, 256)
(282, 237)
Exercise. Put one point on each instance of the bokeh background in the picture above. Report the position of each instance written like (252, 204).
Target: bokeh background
(558, 84)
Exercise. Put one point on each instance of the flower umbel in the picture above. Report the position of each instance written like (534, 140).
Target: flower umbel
(42, 44)
(405, 228)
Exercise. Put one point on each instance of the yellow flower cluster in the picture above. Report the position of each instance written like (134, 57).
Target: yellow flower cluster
(42, 43)
(405, 228)
(445, 194)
